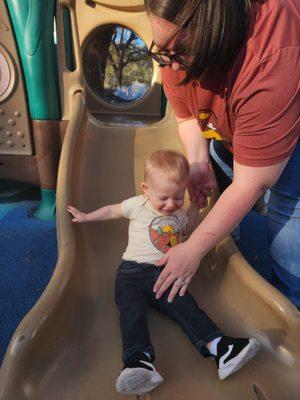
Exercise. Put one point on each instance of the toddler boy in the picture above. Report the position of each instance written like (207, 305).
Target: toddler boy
(157, 223)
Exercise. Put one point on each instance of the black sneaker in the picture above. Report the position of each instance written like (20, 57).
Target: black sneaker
(138, 376)
(233, 353)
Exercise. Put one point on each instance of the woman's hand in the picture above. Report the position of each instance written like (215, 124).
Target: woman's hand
(181, 263)
(79, 216)
(201, 183)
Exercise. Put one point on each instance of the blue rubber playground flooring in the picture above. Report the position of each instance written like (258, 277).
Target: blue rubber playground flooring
(28, 255)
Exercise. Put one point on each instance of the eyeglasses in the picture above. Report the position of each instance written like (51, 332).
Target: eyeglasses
(165, 58)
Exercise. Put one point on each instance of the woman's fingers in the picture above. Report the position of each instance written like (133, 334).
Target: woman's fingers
(179, 287)
(165, 285)
(184, 286)
(175, 289)
(181, 266)
(160, 283)
(160, 280)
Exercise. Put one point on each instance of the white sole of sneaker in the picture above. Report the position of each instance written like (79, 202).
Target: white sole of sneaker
(241, 359)
(137, 381)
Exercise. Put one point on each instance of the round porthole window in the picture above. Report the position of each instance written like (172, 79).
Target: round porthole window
(5, 75)
(116, 65)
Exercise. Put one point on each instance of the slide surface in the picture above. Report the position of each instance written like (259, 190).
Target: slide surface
(69, 347)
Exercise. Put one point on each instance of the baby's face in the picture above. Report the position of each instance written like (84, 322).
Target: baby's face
(164, 195)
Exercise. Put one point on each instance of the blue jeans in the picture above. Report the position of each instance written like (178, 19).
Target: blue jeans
(283, 219)
(134, 293)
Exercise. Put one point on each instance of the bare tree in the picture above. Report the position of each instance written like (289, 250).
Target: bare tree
(125, 51)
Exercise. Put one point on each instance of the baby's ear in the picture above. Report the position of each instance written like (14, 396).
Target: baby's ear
(144, 187)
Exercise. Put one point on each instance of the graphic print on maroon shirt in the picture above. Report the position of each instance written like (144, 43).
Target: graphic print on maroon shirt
(165, 232)
(208, 124)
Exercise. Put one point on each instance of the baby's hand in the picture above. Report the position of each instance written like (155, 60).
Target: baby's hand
(79, 216)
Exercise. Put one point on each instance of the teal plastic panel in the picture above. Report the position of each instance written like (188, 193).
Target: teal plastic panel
(33, 22)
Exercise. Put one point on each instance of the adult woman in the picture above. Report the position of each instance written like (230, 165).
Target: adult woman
(232, 69)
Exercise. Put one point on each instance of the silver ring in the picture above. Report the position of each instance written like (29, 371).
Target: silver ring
(180, 282)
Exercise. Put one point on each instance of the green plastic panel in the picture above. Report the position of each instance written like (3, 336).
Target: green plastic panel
(33, 22)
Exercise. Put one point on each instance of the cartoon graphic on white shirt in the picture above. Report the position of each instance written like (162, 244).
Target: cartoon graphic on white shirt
(165, 232)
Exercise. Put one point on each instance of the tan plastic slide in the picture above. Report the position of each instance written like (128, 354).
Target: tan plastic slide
(68, 347)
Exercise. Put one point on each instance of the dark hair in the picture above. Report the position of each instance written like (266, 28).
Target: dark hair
(215, 30)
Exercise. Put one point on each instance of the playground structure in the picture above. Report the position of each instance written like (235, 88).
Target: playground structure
(30, 126)
(68, 346)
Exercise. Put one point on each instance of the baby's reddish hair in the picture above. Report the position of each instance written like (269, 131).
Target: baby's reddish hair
(171, 163)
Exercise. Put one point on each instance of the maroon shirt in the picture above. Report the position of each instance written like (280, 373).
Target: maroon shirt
(255, 107)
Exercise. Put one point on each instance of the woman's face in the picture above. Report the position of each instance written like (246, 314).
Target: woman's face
(162, 30)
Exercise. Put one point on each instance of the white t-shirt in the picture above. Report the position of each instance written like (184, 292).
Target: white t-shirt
(150, 233)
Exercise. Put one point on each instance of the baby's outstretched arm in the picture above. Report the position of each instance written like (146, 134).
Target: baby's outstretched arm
(113, 211)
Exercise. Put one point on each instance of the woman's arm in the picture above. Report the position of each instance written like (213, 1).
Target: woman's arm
(194, 142)
(249, 183)
(105, 213)
(202, 181)
(183, 260)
